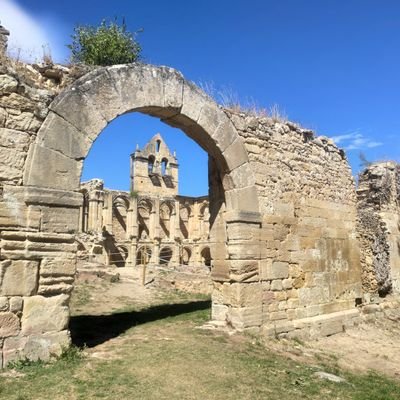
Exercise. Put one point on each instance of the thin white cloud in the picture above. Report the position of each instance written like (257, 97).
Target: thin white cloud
(31, 35)
(355, 141)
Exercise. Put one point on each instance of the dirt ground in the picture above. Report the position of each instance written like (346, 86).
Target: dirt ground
(370, 346)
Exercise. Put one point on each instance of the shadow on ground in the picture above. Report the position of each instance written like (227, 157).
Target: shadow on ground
(92, 330)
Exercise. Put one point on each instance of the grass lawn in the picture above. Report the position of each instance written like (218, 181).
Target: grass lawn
(159, 353)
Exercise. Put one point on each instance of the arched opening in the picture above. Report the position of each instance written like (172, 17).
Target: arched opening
(158, 144)
(79, 115)
(185, 256)
(144, 212)
(150, 166)
(165, 218)
(165, 256)
(119, 214)
(164, 166)
(204, 221)
(206, 256)
(184, 215)
(143, 255)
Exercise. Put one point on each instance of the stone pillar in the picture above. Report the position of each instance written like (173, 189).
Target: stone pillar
(131, 220)
(155, 255)
(132, 254)
(92, 214)
(243, 268)
(108, 213)
(176, 229)
(195, 222)
(36, 289)
(196, 257)
(172, 223)
(176, 254)
(96, 201)
(100, 206)
(155, 219)
(81, 219)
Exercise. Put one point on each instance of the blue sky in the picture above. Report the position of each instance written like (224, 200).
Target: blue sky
(331, 65)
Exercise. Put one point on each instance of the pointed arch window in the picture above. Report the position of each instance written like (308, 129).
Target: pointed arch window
(151, 164)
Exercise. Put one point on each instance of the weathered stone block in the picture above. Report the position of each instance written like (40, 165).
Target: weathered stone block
(59, 135)
(242, 231)
(3, 303)
(246, 294)
(220, 270)
(35, 347)
(219, 312)
(242, 250)
(18, 278)
(58, 267)
(277, 315)
(276, 285)
(245, 317)
(244, 270)
(16, 304)
(8, 84)
(78, 109)
(60, 219)
(65, 171)
(36, 321)
(243, 175)
(236, 154)
(271, 270)
(245, 199)
(9, 324)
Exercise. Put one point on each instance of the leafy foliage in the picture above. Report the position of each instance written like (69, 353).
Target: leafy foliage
(107, 44)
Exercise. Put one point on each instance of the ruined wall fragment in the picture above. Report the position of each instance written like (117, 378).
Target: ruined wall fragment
(378, 219)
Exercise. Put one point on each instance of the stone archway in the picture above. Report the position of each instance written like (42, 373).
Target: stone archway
(52, 177)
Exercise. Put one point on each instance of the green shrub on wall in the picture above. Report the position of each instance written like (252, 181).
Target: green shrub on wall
(106, 44)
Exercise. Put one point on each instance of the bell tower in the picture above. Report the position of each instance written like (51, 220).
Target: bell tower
(154, 170)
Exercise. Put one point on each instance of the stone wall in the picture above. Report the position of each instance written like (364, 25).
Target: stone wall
(37, 245)
(379, 226)
(309, 250)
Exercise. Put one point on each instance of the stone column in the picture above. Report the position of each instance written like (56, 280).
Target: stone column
(155, 214)
(155, 255)
(96, 202)
(108, 212)
(196, 258)
(172, 223)
(177, 233)
(132, 254)
(100, 206)
(81, 219)
(92, 213)
(131, 220)
(176, 255)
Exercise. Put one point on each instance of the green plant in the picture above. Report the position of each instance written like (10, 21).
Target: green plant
(107, 44)
(71, 354)
(23, 363)
(134, 194)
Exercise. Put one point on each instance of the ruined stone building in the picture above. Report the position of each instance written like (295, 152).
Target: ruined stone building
(151, 223)
(297, 250)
